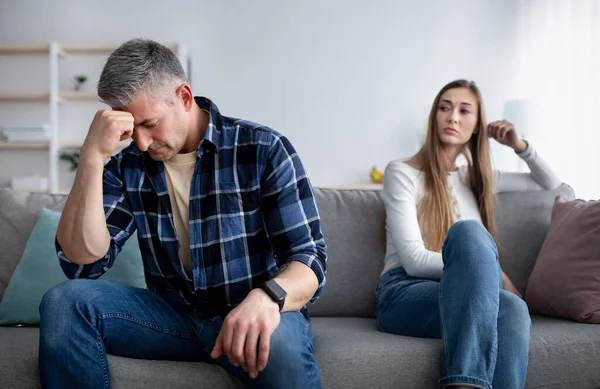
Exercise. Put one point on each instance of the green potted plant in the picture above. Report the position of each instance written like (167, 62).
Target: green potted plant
(80, 79)
(72, 158)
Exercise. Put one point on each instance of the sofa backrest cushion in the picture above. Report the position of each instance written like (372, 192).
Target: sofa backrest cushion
(353, 223)
(523, 221)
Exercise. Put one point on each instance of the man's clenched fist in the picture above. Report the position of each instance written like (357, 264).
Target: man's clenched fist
(106, 131)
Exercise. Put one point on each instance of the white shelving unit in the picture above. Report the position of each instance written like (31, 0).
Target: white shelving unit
(55, 51)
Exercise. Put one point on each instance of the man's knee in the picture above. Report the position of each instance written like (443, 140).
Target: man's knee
(64, 294)
(58, 313)
(291, 356)
(76, 298)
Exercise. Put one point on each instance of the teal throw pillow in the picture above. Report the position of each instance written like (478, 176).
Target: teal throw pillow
(39, 270)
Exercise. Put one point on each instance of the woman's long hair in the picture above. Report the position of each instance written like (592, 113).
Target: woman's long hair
(435, 210)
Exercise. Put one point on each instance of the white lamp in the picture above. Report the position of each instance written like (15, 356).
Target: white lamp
(525, 115)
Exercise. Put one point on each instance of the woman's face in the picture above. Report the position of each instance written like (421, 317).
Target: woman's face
(456, 116)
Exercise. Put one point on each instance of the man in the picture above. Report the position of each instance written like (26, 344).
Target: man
(228, 229)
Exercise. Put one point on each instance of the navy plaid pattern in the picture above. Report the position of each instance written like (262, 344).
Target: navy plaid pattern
(252, 209)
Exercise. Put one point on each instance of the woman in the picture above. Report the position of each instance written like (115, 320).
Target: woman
(442, 278)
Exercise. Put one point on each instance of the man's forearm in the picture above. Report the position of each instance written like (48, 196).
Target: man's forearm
(82, 232)
(300, 283)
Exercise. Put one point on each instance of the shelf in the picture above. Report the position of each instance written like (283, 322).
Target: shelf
(39, 191)
(97, 48)
(66, 95)
(4, 145)
(24, 49)
(79, 96)
(67, 48)
(88, 48)
(75, 145)
(24, 145)
(22, 97)
(70, 146)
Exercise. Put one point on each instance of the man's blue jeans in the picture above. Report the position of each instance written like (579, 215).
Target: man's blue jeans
(484, 329)
(82, 320)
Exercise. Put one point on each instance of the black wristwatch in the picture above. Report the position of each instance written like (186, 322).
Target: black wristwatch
(275, 291)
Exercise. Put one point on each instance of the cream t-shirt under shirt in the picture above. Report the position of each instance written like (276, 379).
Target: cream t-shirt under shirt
(179, 171)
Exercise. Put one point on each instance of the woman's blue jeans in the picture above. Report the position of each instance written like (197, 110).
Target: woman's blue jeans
(484, 329)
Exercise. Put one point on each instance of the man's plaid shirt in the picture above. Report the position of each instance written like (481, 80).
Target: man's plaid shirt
(251, 210)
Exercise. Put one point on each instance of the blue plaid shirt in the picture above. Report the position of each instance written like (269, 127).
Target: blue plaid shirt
(252, 209)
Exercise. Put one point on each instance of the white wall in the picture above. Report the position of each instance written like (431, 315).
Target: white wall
(349, 82)
(559, 69)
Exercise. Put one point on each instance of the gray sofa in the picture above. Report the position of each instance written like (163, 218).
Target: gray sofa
(350, 351)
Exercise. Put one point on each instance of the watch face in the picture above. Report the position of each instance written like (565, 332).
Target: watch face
(278, 292)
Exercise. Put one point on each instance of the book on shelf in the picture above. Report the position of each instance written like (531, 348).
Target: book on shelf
(27, 134)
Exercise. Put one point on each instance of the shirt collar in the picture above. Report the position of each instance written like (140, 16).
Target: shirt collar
(213, 136)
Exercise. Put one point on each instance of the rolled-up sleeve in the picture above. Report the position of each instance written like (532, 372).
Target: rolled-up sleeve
(290, 212)
(119, 220)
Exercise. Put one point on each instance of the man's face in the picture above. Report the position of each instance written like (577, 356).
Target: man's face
(159, 127)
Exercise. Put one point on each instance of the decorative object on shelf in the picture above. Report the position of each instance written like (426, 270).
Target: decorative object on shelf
(80, 79)
(72, 158)
(376, 175)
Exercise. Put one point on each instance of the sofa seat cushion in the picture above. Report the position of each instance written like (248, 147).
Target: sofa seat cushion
(18, 358)
(563, 354)
(19, 369)
(351, 353)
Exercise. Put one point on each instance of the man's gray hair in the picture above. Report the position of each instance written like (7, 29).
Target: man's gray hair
(139, 64)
